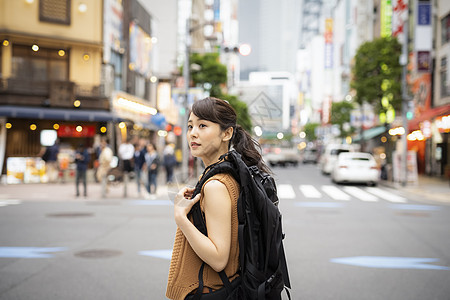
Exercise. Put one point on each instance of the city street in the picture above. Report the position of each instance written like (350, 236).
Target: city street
(342, 241)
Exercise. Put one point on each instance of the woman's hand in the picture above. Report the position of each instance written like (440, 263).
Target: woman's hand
(183, 204)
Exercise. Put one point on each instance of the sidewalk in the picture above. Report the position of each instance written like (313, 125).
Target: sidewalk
(66, 192)
(427, 188)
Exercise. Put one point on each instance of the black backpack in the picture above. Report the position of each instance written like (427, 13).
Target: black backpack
(263, 270)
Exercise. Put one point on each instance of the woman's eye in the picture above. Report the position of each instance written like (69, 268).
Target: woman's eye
(202, 125)
(189, 127)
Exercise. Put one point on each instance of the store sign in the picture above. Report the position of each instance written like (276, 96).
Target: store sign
(25, 170)
(443, 123)
(76, 131)
(386, 18)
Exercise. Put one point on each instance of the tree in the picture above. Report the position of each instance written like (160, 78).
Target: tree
(310, 131)
(340, 114)
(210, 74)
(377, 74)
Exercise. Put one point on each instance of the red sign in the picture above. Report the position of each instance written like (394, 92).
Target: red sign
(76, 131)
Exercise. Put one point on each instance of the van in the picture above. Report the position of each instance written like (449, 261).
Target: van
(329, 156)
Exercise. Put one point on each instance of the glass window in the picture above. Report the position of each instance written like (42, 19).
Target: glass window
(445, 29)
(44, 64)
(445, 87)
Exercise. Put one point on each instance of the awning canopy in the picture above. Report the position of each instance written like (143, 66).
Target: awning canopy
(370, 133)
(57, 114)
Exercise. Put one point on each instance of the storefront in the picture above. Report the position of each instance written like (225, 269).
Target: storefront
(27, 131)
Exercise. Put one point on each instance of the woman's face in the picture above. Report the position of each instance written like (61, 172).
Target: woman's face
(206, 139)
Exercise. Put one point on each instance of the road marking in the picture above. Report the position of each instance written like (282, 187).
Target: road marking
(335, 193)
(164, 253)
(414, 207)
(309, 191)
(5, 202)
(360, 194)
(28, 252)
(386, 262)
(285, 191)
(386, 195)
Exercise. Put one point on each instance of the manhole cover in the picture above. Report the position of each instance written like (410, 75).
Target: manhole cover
(98, 253)
(70, 215)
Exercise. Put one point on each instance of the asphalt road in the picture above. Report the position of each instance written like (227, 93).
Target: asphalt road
(342, 242)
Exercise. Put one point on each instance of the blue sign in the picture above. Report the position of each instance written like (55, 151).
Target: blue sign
(424, 14)
(28, 252)
(385, 262)
(164, 254)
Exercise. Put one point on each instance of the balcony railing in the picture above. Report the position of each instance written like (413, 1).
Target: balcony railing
(51, 93)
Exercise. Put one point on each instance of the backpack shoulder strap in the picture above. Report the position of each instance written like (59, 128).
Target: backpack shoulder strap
(196, 213)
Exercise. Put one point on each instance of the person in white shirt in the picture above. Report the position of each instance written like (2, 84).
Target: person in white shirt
(126, 154)
(105, 158)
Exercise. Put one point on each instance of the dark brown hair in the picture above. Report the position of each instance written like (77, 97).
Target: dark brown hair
(221, 112)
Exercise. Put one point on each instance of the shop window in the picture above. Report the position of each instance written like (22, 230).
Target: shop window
(55, 11)
(445, 86)
(44, 64)
(445, 29)
(116, 61)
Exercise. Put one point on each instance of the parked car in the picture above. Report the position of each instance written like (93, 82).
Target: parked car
(310, 155)
(329, 157)
(281, 155)
(356, 167)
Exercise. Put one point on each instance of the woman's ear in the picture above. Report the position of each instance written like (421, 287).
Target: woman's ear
(228, 134)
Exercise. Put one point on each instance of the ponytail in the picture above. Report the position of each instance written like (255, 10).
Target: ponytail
(249, 149)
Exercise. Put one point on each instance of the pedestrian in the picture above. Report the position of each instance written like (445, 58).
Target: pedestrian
(105, 158)
(50, 157)
(139, 161)
(151, 165)
(169, 162)
(126, 154)
(212, 130)
(82, 158)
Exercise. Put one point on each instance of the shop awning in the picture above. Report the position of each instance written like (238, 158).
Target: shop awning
(57, 114)
(370, 133)
(428, 115)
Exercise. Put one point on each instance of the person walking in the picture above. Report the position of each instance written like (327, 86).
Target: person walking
(212, 130)
(105, 158)
(139, 161)
(50, 157)
(169, 162)
(126, 154)
(151, 165)
(82, 158)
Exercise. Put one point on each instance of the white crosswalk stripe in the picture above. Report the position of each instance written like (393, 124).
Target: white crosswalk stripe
(310, 191)
(360, 194)
(335, 193)
(285, 191)
(339, 193)
(385, 195)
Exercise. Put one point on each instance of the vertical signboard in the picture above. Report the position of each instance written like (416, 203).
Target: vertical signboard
(328, 43)
(399, 15)
(112, 27)
(423, 36)
(386, 18)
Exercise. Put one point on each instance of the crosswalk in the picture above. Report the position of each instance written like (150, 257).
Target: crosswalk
(339, 193)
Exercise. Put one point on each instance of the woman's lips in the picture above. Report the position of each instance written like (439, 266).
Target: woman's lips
(194, 145)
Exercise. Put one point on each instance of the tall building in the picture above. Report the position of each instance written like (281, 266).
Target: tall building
(272, 29)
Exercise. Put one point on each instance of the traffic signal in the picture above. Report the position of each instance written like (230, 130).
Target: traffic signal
(410, 110)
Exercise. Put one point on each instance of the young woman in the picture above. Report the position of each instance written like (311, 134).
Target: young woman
(212, 130)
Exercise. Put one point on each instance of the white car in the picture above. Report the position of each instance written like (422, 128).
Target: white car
(356, 167)
(329, 156)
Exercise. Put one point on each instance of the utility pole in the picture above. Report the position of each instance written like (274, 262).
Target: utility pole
(405, 98)
(184, 119)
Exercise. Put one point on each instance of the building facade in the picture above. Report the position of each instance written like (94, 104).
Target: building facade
(51, 57)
